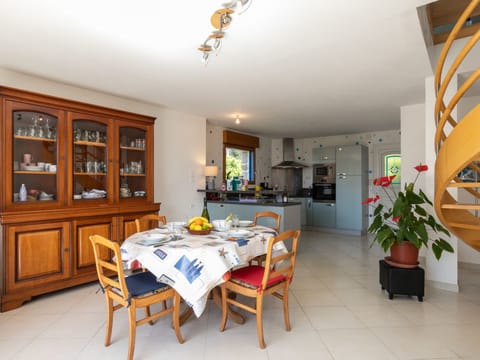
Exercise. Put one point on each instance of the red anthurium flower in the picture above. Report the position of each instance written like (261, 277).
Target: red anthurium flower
(371, 200)
(396, 218)
(384, 181)
(421, 168)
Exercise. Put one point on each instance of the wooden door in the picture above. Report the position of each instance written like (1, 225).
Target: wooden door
(82, 229)
(37, 255)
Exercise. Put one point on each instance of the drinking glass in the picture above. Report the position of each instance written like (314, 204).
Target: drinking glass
(235, 221)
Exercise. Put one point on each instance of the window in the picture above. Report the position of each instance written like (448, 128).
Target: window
(239, 155)
(393, 166)
(239, 162)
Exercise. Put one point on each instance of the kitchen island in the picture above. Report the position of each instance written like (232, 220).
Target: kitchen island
(246, 206)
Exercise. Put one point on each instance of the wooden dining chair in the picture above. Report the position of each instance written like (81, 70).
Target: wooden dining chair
(139, 290)
(256, 282)
(149, 221)
(269, 219)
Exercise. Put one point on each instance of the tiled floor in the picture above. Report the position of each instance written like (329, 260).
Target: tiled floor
(337, 310)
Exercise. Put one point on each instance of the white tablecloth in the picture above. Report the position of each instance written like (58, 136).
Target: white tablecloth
(195, 264)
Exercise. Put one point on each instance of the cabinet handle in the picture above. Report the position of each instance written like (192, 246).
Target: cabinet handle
(66, 250)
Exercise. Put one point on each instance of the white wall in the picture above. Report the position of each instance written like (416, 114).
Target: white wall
(413, 145)
(179, 149)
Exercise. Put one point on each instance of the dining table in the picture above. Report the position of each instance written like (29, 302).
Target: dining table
(195, 264)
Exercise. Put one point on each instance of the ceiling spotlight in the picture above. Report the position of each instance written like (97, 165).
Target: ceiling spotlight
(237, 120)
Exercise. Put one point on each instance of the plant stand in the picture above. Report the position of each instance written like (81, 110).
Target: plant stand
(402, 281)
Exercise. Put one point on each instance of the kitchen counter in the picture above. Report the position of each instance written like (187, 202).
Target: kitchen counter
(245, 209)
(255, 202)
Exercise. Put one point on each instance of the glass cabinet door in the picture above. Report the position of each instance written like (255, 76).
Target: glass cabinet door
(90, 160)
(34, 155)
(133, 161)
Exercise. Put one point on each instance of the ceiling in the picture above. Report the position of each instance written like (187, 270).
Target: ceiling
(289, 68)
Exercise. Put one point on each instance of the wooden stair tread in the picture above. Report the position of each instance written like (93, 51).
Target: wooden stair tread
(464, 184)
(461, 206)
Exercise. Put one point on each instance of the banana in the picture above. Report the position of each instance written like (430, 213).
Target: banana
(229, 217)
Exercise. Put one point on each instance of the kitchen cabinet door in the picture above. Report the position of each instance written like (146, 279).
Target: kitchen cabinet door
(350, 213)
(309, 212)
(323, 154)
(324, 214)
(351, 160)
(216, 211)
(303, 209)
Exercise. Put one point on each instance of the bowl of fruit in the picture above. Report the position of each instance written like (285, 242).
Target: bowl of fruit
(199, 226)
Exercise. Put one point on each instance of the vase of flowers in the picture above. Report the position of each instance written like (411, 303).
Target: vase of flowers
(403, 227)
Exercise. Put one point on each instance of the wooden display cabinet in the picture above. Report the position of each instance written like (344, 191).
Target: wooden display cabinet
(87, 170)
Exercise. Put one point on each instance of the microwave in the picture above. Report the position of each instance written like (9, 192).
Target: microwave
(324, 173)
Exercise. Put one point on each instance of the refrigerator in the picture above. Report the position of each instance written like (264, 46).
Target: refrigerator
(351, 187)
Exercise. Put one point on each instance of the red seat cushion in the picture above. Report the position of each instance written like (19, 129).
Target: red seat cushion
(252, 276)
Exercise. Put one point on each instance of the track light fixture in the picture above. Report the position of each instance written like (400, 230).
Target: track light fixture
(220, 20)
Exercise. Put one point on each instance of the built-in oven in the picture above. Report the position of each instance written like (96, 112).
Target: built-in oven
(324, 173)
(323, 191)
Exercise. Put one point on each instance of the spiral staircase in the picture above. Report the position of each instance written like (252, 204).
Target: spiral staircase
(457, 143)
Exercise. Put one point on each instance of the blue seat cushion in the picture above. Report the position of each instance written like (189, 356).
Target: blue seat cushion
(144, 282)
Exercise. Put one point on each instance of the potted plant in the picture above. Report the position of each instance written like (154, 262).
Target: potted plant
(403, 227)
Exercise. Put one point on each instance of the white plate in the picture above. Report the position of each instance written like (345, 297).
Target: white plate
(245, 223)
(33, 168)
(152, 239)
(239, 233)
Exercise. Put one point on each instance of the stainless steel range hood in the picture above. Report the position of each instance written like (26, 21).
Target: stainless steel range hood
(288, 157)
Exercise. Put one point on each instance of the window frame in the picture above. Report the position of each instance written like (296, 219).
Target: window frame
(253, 158)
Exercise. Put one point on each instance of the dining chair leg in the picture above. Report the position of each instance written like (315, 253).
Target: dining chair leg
(259, 315)
(132, 328)
(223, 322)
(108, 330)
(286, 315)
(176, 317)
(147, 314)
